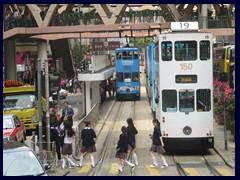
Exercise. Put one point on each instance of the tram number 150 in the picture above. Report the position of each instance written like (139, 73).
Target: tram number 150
(186, 66)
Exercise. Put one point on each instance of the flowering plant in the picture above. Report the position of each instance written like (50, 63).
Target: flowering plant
(221, 90)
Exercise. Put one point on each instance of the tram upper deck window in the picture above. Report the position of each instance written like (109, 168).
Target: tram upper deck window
(127, 54)
(185, 50)
(204, 50)
(118, 55)
(166, 51)
(136, 55)
(169, 101)
(203, 100)
(186, 100)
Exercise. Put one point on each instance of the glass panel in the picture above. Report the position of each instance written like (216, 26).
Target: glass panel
(186, 78)
(118, 55)
(156, 52)
(135, 55)
(135, 77)
(169, 100)
(166, 51)
(7, 123)
(127, 54)
(127, 77)
(186, 100)
(185, 50)
(20, 163)
(17, 102)
(203, 100)
(120, 77)
(204, 50)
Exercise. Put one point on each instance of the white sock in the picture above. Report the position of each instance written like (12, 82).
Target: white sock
(135, 158)
(120, 167)
(63, 162)
(81, 160)
(71, 162)
(130, 164)
(164, 160)
(154, 160)
(92, 160)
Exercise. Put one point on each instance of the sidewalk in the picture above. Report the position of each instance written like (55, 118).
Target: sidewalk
(219, 145)
(104, 110)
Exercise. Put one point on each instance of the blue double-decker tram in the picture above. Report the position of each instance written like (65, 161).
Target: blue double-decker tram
(127, 74)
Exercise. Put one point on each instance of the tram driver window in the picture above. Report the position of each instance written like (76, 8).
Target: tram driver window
(169, 101)
(127, 77)
(203, 100)
(186, 100)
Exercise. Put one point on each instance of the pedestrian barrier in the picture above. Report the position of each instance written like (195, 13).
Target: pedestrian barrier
(48, 157)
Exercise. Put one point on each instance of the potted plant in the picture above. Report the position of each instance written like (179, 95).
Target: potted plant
(221, 90)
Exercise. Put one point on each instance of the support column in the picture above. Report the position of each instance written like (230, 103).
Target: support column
(203, 16)
(10, 66)
(88, 96)
(42, 52)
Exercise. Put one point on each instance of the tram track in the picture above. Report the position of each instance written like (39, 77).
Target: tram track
(106, 143)
(204, 164)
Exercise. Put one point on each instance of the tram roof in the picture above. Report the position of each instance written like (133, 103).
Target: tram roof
(127, 48)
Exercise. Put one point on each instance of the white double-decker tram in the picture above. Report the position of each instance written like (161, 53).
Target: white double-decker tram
(185, 86)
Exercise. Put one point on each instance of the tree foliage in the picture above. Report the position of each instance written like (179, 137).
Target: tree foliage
(78, 54)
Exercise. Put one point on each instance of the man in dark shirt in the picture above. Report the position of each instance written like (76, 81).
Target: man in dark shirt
(68, 111)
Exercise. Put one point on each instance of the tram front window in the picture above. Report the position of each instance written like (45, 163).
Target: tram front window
(127, 77)
(186, 100)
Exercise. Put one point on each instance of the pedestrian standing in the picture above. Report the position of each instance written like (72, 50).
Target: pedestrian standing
(131, 132)
(88, 143)
(67, 145)
(157, 145)
(68, 111)
(122, 149)
(113, 84)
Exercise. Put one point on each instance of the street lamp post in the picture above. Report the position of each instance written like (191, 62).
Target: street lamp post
(224, 118)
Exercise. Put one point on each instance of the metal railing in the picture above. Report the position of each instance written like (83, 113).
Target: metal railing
(52, 161)
(92, 117)
(73, 19)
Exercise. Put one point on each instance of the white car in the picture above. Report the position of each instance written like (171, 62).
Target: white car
(63, 93)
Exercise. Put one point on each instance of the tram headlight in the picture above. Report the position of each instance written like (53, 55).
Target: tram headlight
(187, 130)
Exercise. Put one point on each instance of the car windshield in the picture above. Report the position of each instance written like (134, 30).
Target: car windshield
(7, 123)
(16, 102)
(21, 163)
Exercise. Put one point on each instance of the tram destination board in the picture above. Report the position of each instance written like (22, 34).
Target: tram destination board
(186, 78)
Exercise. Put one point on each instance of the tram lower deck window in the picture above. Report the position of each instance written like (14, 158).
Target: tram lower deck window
(186, 100)
(169, 100)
